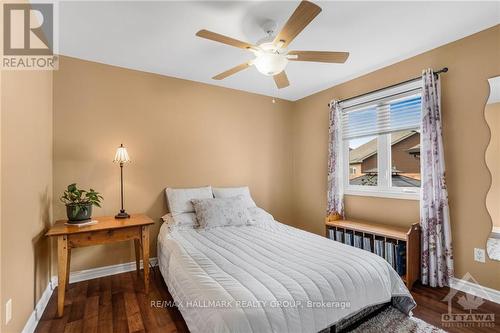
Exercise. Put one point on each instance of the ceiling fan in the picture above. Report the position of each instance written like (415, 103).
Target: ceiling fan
(271, 53)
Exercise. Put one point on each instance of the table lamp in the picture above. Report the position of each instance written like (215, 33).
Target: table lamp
(121, 157)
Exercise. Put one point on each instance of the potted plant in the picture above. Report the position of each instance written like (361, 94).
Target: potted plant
(79, 203)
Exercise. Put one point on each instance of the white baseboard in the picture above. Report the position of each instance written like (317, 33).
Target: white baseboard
(475, 289)
(98, 272)
(77, 276)
(39, 308)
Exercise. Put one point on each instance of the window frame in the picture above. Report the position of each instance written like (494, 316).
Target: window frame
(384, 188)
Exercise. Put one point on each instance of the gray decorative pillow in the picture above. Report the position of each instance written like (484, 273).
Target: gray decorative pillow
(221, 212)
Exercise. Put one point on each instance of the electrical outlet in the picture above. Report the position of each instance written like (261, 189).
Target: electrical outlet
(8, 311)
(479, 255)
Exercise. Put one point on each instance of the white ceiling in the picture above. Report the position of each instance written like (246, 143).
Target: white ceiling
(159, 37)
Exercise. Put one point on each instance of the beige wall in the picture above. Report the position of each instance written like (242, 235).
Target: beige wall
(26, 182)
(492, 113)
(177, 132)
(471, 61)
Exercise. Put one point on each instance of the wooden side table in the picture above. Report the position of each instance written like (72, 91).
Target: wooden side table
(107, 230)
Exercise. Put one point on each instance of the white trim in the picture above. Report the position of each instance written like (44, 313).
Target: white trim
(377, 192)
(384, 154)
(77, 276)
(39, 308)
(94, 273)
(475, 289)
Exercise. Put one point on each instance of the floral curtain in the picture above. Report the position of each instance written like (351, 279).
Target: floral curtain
(437, 258)
(335, 204)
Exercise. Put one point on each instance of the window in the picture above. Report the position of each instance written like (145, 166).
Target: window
(381, 143)
(363, 156)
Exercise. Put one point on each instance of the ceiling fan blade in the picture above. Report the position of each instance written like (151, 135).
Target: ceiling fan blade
(281, 80)
(232, 71)
(319, 56)
(301, 17)
(224, 39)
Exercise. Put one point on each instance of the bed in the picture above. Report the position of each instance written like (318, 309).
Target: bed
(270, 277)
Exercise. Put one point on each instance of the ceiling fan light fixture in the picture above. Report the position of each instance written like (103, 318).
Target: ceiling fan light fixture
(269, 63)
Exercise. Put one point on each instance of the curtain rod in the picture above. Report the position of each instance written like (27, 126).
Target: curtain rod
(443, 70)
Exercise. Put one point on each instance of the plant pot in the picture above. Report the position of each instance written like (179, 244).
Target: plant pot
(76, 215)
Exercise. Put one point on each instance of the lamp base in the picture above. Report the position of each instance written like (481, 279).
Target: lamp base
(122, 215)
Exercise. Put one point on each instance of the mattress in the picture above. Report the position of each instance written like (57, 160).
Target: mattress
(271, 277)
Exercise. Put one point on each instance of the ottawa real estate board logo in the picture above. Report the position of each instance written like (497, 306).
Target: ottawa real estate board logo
(28, 37)
(471, 315)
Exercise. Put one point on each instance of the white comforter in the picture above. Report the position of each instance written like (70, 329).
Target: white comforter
(271, 278)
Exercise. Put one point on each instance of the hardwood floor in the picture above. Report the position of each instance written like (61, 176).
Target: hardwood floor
(117, 304)
(114, 303)
(430, 308)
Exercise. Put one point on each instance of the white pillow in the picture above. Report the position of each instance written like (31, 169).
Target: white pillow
(260, 216)
(179, 199)
(227, 192)
(180, 221)
(221, 212)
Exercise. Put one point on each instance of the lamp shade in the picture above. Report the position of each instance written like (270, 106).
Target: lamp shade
(121, 155)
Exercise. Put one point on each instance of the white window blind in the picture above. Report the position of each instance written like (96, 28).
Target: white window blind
(383, 112)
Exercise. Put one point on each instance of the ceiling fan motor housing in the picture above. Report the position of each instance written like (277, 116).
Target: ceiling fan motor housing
(269, 26)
